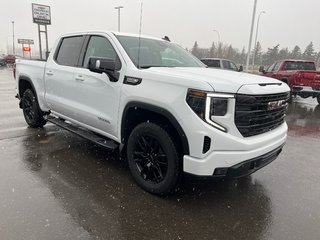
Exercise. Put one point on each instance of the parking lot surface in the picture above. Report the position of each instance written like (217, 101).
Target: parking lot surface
(55, 185)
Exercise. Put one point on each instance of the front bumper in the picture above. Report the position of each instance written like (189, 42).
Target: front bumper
(236, 163)
(250, 166)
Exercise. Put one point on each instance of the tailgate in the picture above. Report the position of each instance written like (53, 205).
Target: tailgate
(308, 78)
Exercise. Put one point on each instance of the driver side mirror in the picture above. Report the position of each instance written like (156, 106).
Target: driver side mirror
(104, 65)
(100, 65)
(240, 68)
(261, 69)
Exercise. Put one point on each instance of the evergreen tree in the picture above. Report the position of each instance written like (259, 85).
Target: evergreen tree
(284, 53)
(195, 50)
(309, 53)
(296, 53)
(212, 50)
(271, 55)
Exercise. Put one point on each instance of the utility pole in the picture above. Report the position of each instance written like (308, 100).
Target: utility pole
(119, 8)
(13, 47)
(251, 33)
(255, 41)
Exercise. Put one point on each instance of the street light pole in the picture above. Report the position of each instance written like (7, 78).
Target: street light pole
(218, 42)
(13, 47)
(255, 41)
(119, 7)
(251, 33)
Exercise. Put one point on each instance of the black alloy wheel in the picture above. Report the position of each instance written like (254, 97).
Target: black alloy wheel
(153, 159)
(31, 110)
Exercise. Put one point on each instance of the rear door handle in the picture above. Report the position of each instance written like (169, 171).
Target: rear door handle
(49, 72)
(79, 78)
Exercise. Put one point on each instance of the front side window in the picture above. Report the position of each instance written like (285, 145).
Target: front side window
(157, 53)
(100, 47)
(229, 65)
(276, 67)
(269, 69)
(69, 51)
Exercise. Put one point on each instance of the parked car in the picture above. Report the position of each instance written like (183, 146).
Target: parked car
(2, 62)
(121, 92)
(221, 63)
(10, 59)
(300, 75)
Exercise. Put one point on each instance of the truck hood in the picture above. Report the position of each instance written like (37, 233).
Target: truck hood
(219, 80)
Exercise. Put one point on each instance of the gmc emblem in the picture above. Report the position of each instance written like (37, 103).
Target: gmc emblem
(276, 104)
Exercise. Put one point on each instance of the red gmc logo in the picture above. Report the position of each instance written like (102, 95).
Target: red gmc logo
(276, 104)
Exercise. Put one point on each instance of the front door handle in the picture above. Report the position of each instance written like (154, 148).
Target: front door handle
(79, 78)
(49, 72)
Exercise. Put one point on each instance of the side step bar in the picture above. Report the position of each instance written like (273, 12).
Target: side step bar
(97, 139)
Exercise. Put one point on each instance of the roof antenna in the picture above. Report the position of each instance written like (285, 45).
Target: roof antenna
(140, 34)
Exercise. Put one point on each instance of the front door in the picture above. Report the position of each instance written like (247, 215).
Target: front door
(97, 96)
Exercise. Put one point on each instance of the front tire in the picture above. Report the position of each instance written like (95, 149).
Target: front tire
(318, 99)
(31, 110)
(153, 159)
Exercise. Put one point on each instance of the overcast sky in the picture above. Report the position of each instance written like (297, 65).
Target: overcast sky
(287, 22)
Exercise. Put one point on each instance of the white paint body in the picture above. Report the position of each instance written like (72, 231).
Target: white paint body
(82, 96)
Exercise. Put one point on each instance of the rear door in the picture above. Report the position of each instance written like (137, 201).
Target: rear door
(59, 76)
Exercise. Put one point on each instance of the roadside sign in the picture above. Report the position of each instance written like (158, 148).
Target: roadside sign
(41, 14)
(25, 41)
(27, 49)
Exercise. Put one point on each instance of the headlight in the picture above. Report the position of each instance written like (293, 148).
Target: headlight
(197, 101)
(209, 105)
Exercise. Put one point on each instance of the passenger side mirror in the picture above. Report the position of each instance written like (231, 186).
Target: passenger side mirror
(261, 69)
(240, 68)
(104, 65)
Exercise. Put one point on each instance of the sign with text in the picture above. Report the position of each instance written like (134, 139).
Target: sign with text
(25, 41)
(26, 49)
(41, 14)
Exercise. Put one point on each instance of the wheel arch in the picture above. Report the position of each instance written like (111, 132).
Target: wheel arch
(24, 83)
(138, 112)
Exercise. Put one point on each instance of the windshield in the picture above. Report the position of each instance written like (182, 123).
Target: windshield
(299, 66)
(157, 53)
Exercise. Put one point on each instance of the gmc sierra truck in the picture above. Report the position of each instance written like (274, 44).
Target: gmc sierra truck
(154, 101)
(300, 75)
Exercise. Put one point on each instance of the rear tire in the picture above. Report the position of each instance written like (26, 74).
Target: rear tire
(153, 159)
(31, 110)
(318, 99)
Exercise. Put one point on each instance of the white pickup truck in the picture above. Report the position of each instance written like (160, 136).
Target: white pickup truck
(159, 104)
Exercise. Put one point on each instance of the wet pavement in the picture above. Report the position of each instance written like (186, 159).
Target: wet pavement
(55, 185)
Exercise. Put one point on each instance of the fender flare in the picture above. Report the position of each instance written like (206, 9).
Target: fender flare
(158, 110)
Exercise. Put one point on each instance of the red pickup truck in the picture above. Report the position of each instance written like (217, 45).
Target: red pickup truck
(300, 75)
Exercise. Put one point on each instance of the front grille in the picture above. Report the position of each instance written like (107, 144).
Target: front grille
(257, 114)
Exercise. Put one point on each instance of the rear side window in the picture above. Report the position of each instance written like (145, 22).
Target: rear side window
(214, 63)
(69, 51)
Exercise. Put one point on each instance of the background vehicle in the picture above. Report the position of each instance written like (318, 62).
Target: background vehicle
(157, 102)
(221, 63)
(10, 59)
(300, 75)
(2, 62)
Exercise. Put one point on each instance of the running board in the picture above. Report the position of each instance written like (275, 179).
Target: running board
(97, 139)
